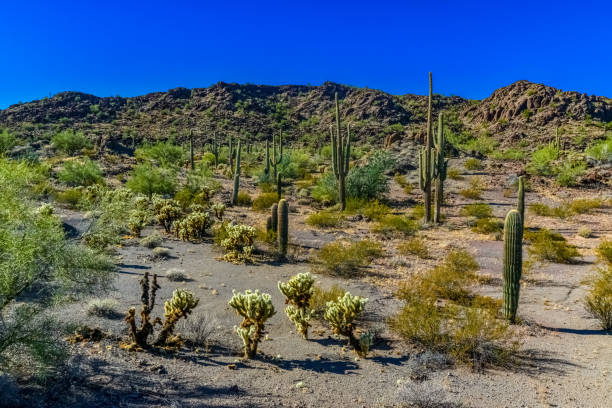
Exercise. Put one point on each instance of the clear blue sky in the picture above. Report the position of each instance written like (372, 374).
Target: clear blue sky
(131, 47)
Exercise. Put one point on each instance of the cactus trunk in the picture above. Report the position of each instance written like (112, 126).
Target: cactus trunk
(279, 186)
(191, 149)
(521, 199)
(513, 263)
(274, 217)
(427, 175)
(236, 175)
(283, 226)
(340, 155)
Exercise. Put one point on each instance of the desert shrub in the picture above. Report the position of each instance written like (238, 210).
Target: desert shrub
(414, 246)
(106, 307)
(604, 251)
(7, 141)
(69, 142)
(325, 219)
(578, 206)
(266, 187)
(80, 173)
(585, 232)
(404, 184)
(474, 190)
(347, 258)
(243, 199)
(326, 189)
(160, 253)
(546, 245)
(585, 205)
(601, 150)
(264, 201)
(369, 181)
(424, 395)
(568, 172)
(478, 210)
(176, 275)
(454, 174)
(36, 256)
(395, 224)
(473, 164)
(237, 240)
(165, 154)
(152, 241)
(321, 296)
(199, 329)
(488, 226)
(148, 180)
(542, 161)
(598, 301)
(546, 211)
(418, 212)
(71, 196)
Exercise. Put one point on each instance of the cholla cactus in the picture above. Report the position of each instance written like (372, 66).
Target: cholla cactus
(167, 211)
(255, 309)
(45, 210)
(239, 242)
(298, 291)
(218, 209)
(365, 342)
(193, 227)
(341, 313)
(140, 334)
(180, 305)
(137, 220)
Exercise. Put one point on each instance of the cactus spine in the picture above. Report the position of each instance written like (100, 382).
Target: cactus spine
(440, 165)
(521, 199)
(425, 161)
(236, 175)
(341, 150)
(279, 186)
(283, 226)
(513, 263)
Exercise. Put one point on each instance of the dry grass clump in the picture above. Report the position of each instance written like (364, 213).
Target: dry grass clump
(103, 308)
(604, 251)
(264, 201)
(321, 296)
(160, 253)
(325, 219)
(392, 224)
(454, 174)
(403, 183)
(414, 246)
(478, 210)
(488, 226)
(474, 191)
(243, 199)
(152, 241)
(598, 302)
(199, 330)
(176, 275)
(585, 232)
(442, 315)
(373, 210)
(473, 164)
(546, 245)
(579, 206)
(347, 258)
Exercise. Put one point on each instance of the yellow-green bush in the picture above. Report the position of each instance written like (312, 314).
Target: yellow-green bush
(325, 219)
(473, 164)
(546, 245)
(392, 224)
(598, 301)
(414, 246)
(347, 258)
(478, 210)
(264, 201)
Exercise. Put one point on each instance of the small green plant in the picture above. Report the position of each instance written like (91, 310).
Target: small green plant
(149, 180)
(546, 245)
(414, 246)
(321, 296)
(7, 141)
(70, 142)
(474, 191)
(255, 309)
(473, 164)
(598, 301)
(264, 201)
(347, 258)
(585, 232)
(164, 154)
(325, 219)
(487, 226)
(604, 251)
(152, 241)
(392, 224)
(341, 314)
(542, 160)
(80, 173)
(454, 174)
(243, 199)
(478, 210)
(298, 291)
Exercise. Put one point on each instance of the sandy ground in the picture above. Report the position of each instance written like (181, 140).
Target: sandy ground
(567, 360)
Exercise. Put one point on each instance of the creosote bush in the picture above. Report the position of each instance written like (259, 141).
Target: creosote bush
(546, 245)
(478, 210)
(414, 246)
(473, 164)
(488, 226)
(392, 224)
(80, 173)
(598, 301)
(325, 219)
(255, 309)
(347, 258)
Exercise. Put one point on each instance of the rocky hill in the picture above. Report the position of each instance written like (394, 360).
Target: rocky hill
(304, 113)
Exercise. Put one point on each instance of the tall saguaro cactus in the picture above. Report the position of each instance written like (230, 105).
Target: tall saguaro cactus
(440, 165)
(237, 175)
(267, 168)
(513, 263)
(230, 154)
(283, 226)
(191, 149)
(341, 150)
(425, 162)
(279, 186)
(520, 206)
(215, 149)
(276, 160)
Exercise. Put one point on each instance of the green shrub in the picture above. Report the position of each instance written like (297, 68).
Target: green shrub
(604, 251)
(395, 224)
(326, 189)
(165, 154)
(569, 171)
(585, 205)
(454, 174)
(414, 246)
(243, 199)
(546, 245)
(264, 201)
(70, 142)
(148, 180)
(325, 219)
(488, 226)
(544, 210)
(585, 232)
(374, 210)
(347, 258)
(321, 296)
(578, 206)
(72, 196)
(369, 181)
(473, 164)
(601, 150)
(478, 210)
(542, 161)
(80, 173)
(598, 301)
(7, 141)
(475, 190)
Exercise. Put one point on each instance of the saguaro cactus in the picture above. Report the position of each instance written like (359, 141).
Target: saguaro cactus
(276, 160)
(520, 206)
(267, 168)
(283, 226)
(215, 149)
(425, 162)
(274, 217)
(236, 175)
(513, 263)
(230, 154)
(191, 149)
(279, 186)
(341, 150)
(440, 165)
